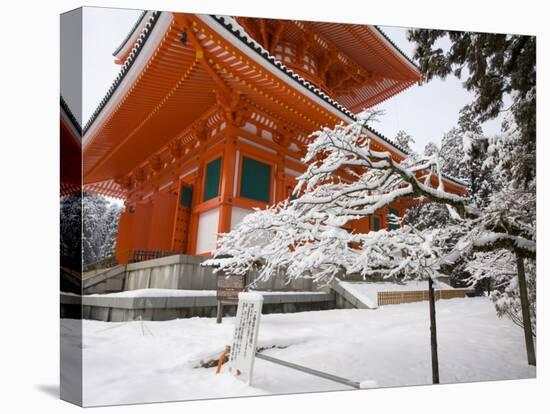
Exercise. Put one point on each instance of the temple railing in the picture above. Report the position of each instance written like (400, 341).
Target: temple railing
(103, 263)
(142, 255)
(134, 256)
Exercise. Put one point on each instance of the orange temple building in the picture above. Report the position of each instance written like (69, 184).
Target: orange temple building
(210, 116)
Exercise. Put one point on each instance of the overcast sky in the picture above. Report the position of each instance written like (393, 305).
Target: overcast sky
(103, 31)
(426, 112)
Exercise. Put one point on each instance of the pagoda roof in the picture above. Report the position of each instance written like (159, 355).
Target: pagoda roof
(368, 45)
(236, 30)
(227, 25)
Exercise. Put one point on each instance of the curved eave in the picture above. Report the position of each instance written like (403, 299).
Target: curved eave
(380, 98)
(123, 50)
(119, 135)
(397, 51)
(369, 48)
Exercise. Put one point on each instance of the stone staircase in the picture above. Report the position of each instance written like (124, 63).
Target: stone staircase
(345, 298)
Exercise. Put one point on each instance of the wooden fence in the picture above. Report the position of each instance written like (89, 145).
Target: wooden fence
(408, 296)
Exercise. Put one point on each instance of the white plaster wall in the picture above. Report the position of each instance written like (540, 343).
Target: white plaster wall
(294, 173)
(237, 215)
(208, 231)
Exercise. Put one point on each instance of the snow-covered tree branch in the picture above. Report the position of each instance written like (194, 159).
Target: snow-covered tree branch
(344, 171)
(347, 180)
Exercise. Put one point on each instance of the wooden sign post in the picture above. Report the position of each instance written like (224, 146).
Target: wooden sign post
(245, 335)
(228, 289)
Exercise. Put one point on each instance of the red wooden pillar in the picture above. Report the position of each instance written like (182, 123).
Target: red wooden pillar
(124, 237)
(198, 191)
(227, 179)
(280, 192)
(194, 216)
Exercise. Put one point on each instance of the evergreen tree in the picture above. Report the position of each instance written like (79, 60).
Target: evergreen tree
(110, 227)
(70, 229)
(497, 65)
(100, 227)
(452, 157)
(430, 149)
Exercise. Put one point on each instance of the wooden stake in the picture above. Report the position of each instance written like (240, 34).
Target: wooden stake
(222, 358)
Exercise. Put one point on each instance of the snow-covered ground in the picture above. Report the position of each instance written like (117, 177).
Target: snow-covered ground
(135, 362)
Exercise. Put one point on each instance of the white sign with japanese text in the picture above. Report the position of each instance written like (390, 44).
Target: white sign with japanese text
(245, 336)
